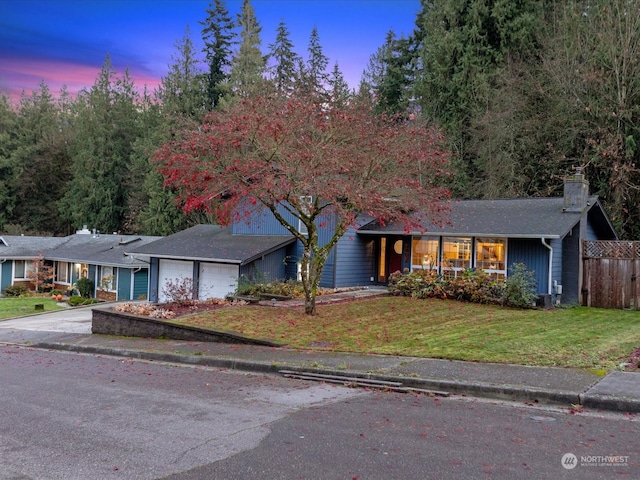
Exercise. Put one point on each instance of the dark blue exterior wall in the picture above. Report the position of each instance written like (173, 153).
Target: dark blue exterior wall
(124, 284)
(571, 266)
(532, 253)
(356, 260)
(268, 268)
(141, 284)
(6, 274)
(154, 272)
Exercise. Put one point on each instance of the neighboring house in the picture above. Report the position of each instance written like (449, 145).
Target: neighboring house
(545, 234)
(102, 258)
(212, 259)
(18, 254)
(99, 257)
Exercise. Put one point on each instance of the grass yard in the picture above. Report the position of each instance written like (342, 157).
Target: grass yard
(578, 337)
(21, 306)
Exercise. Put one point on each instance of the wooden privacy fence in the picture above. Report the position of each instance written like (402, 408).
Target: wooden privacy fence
(610, 269)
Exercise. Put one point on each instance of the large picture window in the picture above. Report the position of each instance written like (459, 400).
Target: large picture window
(425, 253)
(108, 278)
(491, 255)
(456, 255)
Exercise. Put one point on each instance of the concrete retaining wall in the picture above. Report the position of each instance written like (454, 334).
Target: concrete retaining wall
(110, 322)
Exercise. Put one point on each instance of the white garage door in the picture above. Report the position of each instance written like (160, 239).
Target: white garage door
(217, 280)
(172, 272)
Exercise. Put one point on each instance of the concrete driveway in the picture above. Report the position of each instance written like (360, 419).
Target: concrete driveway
(70, 320)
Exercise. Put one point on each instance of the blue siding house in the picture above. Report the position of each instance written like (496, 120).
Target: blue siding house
(99, 257)
(545, 234)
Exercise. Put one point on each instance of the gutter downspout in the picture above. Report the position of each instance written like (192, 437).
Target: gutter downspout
(550, 264)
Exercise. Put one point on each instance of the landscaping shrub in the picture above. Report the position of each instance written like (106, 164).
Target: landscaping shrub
(519, 289)
(16, 290)
(85, 287)
(77, 300)
(255, 288)
(179, 291)
(476, 286)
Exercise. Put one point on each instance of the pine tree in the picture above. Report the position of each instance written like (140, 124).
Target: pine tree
(248, 66)
(314, 74)
(107, 127)
(285, 62)
(391, 74)
(218, 36)
(8, 144)
(338, 87)
(182, 91)
(43, 162)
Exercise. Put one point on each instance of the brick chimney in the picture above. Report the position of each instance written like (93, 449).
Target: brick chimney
(576, 192)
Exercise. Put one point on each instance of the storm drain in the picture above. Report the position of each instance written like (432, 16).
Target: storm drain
(360, 382)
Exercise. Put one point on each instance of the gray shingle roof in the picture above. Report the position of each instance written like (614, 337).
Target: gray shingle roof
(212, 243)
(100, 249)
(523, 218)
(80, 248)
(22, 247)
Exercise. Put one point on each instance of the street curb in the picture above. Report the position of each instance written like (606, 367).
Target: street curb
(478, 389)
(610, 402)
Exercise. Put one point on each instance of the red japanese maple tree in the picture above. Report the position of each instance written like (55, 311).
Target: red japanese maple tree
(315, 161)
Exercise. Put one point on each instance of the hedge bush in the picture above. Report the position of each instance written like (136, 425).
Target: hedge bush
(17, 290)
(477, 286)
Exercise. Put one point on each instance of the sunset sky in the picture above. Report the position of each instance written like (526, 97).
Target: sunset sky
(65, 42)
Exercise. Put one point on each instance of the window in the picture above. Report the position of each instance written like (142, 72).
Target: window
(108, 279)
(490, 256)
(21, 269)
(456, 255)
(306, 202)
(63, 272)
(425, 253)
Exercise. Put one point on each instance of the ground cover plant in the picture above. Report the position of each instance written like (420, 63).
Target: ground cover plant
(578, 337)
(21, 306)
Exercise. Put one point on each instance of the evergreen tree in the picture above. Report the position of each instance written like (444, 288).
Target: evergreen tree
(182, 91)
(248, 66)
(43, 161)
(8, 144)
(465, 45)
(218, 39)
(314, 77)
(339, 91)
(391, 74)
(107, 127)
(285, 62)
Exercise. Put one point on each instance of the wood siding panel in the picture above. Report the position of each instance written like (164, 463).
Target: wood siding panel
(533, 254)
(271, 267)
(124, 284)
(141, 284)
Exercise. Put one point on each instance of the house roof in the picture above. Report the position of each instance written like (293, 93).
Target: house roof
(23, 247)
(212, 243)
(514, 218)
(79, 248)
(100, 249)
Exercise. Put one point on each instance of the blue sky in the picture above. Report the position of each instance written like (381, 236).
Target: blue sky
(65, 42)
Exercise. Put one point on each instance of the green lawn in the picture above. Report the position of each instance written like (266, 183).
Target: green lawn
(21, 306)
(573, 337)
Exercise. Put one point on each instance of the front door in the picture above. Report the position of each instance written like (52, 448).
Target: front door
(390, 258)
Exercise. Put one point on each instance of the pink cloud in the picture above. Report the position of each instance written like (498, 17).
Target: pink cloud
(18, 75)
